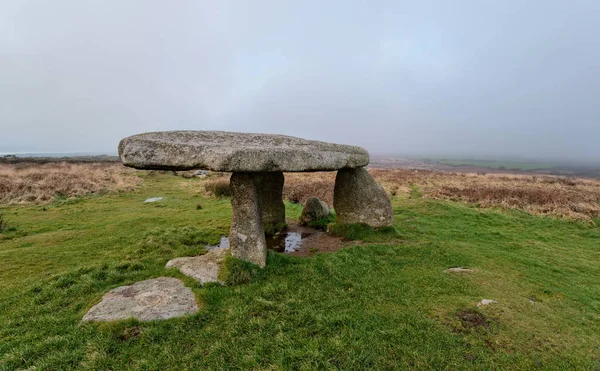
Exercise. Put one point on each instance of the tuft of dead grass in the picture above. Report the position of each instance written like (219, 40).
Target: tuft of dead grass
(218, 187)
(41, 183)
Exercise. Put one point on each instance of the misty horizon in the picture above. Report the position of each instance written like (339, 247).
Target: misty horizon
(431, 79)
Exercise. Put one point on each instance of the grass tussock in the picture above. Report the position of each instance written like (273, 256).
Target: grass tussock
(42, 183)
(234, 271)
(3, 223)
(218, 187)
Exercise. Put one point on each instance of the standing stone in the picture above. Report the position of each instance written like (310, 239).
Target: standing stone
(247, 237)
(273, 209)
(314, 209)
(359, 199)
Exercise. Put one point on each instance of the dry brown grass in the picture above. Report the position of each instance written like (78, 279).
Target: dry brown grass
(299, 187)
(34, 183)
(571, 198)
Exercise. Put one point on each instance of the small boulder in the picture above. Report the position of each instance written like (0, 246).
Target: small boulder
(159, 298)
(314, 209)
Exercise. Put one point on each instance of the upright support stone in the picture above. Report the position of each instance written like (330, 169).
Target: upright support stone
(273, 209)
(247, 237)
(359, 199)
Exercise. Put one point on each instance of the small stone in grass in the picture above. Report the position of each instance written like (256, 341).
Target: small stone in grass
(486, 302)
(153, 199)
(459, 270)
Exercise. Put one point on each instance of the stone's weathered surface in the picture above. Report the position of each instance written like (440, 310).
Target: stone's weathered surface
(485, 302)
(203, 268)
(159, 298)
(273, 209)
(314, 209)
(359, 199)
(247, 237)
(231, 152)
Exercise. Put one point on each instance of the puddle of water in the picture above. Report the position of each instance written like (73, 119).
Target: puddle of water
(285, 242)
(224, 244)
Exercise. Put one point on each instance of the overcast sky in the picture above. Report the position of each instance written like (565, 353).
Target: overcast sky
(460, 78)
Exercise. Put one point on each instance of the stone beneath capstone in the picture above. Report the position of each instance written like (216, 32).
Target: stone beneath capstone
(273, 209)
(203, 268)
(158, 298)
(314, 209)
(230, 152)
(359, 199)
(247, 237)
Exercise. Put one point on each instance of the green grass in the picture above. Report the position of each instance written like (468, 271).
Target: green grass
(384, 304)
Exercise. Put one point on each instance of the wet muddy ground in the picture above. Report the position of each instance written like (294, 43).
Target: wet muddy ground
(297, 240)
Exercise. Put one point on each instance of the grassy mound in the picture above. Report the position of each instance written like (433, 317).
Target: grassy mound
(384, 303)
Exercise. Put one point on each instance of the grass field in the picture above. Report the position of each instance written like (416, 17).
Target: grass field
(510, 165)
(387, 303)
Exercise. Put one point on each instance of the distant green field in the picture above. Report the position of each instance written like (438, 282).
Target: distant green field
(513, 165)
(384, 304)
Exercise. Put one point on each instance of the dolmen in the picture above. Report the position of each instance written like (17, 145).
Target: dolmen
(257, 163)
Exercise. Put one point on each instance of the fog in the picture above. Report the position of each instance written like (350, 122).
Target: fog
(510, 78)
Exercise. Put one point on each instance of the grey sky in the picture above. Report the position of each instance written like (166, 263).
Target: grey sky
(480, 78)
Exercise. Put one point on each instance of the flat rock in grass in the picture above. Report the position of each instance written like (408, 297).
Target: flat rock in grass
(203, 268)
(485, 302)
(459, 270)
(158, 298)
(233, 152)
(153, 199)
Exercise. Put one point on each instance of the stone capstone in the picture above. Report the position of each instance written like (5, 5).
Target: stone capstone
(314, 209)
(359, 199)
(159, 298)
(232, 152)
(203, 268)
(247, 237)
